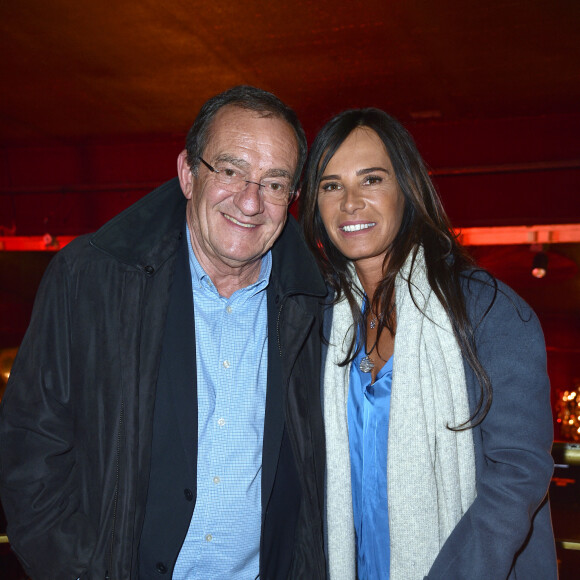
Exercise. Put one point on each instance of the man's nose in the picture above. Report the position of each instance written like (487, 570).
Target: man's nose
(250, 200)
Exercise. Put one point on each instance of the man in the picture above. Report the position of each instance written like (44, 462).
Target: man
(163, 415)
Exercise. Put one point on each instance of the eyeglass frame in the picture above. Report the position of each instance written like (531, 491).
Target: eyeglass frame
(291, 194)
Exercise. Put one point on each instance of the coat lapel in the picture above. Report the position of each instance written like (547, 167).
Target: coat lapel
(180, 346)
(274, 415)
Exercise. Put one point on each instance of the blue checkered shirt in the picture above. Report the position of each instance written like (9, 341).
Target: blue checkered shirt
(223, 539)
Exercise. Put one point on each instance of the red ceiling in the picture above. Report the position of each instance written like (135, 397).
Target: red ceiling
(100, 94)
(73, 69)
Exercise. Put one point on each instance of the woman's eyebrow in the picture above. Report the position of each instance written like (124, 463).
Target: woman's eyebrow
(365, 171)
(324, 177)
(371, 170)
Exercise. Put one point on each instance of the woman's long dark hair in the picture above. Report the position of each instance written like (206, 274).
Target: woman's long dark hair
(424, 223)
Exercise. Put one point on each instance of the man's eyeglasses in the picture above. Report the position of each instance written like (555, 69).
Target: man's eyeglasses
(275, 190)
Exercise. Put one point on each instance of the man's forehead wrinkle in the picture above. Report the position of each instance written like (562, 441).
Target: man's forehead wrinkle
(263, 146)
(239, 158)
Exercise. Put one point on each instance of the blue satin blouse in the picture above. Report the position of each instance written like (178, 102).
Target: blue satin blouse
(368, 427)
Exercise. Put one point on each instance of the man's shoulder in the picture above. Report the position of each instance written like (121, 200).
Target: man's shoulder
(141, 233)
(76, 252)
(79, 260)
(136, 229)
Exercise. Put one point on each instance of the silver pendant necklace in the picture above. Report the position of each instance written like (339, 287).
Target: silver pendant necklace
(366, 364)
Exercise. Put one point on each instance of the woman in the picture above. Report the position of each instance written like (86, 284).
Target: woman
(436, 398)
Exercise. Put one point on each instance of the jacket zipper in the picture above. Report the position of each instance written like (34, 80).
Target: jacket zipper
(278, 327)
(116, 497)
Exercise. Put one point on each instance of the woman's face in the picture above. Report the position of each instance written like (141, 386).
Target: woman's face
(359, 199)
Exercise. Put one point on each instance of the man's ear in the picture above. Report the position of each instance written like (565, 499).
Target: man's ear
(185, 175)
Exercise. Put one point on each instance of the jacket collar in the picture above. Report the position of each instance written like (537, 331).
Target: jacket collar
(294, 268)
(147, 233)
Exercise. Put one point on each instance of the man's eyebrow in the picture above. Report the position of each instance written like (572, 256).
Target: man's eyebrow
(227, 158)
(243, 164)
(278, 173)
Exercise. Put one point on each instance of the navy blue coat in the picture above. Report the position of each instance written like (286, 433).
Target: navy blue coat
(507, 531)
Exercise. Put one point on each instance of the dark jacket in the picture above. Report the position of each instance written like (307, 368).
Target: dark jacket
(76, 421)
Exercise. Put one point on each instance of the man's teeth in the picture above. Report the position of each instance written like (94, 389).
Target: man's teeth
(357, 227)
(235, 221)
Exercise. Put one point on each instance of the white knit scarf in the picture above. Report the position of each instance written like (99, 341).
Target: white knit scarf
(430, 469)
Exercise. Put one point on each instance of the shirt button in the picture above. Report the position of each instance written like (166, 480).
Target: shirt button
(221, 421)
(161, 568)
(216, 479)
(188, 494)
(208, 537)
(229, 309)
(226, 364)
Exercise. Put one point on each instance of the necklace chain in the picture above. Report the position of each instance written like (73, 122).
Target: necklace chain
(366, 364)
(374, 319)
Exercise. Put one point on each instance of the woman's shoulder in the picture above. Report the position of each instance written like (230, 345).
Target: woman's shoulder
(490, 300)
(485, 294)
(480, 283)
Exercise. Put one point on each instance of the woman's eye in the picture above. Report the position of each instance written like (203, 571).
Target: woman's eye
(373, 180)
(329, 187)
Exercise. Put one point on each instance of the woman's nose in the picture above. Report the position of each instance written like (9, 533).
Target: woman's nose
(351, 200)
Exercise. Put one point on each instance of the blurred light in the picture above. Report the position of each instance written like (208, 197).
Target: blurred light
(540, 265)
(6, 360)
(567, 413)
